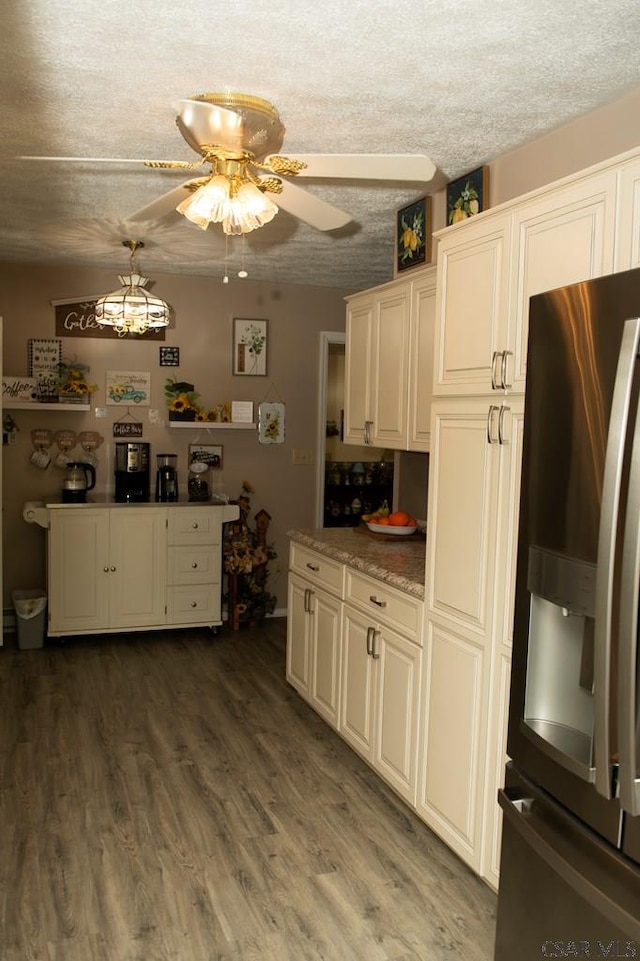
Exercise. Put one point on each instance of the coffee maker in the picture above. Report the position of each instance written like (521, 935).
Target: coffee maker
(167, 477)
(132, 472)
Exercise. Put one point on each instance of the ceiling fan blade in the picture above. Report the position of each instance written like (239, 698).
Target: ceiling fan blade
(164, 205)
(312, 210)
(202, 123)
(88, 160)
(394, 167)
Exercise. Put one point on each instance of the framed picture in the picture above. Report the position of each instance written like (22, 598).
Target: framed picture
(128, 387)
(468, 195)
(169, 356)
(249, 347)
(209, 454)
(271, 423)
(413, 234)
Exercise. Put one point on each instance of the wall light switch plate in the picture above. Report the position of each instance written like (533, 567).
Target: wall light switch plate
(101, 411)
(302, 456)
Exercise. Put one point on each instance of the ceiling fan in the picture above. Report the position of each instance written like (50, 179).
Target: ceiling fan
(238, 136)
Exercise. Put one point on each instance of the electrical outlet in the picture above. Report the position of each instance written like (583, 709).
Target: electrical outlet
(302, 456)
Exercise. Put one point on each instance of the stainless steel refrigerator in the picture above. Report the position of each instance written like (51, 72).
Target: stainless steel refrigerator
(570, 861)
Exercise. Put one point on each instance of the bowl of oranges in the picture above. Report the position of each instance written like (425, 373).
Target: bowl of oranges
(397, 523)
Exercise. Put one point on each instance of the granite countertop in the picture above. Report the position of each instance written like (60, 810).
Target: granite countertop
(398, 561)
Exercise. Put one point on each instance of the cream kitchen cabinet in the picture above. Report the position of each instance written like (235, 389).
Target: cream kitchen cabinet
(388, 353)
(472, 523)
(106, 569)
(628, 216)
(489, 269)
(381, 672)
(314, 629)
(129, 567)
(194, 575)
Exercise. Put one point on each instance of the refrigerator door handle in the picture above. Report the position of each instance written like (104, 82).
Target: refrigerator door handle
(629, 750)
(607, 551)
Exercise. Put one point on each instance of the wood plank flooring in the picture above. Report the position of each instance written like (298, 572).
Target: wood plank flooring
(168, 797)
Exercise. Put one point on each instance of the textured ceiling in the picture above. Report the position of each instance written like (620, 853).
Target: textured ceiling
(460, 80)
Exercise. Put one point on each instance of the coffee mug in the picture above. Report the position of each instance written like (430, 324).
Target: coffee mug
(40, 458)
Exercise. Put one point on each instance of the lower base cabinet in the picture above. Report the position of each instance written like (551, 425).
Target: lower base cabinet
(134, 568)
(380, 696)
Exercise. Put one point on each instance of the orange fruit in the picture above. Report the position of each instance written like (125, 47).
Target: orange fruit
(399, 519)
(385, 521)
(412, 522)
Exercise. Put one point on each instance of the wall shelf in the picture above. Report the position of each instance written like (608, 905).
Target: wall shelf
(29, 405)
(210, 425)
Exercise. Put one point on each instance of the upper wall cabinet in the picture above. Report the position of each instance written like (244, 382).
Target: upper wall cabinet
(488, 270)
(628, 216)
(389, 359)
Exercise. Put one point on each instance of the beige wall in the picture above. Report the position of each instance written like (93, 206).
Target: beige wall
(594, 137)
(204, 310)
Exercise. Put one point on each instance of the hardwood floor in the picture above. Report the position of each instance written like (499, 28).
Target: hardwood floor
(168, 797)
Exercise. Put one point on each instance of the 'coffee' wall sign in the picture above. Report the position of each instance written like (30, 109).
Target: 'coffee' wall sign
(76, 318)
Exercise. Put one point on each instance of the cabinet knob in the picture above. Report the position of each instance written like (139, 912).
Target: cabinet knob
(106, 570)
(195, 525)
(112, 569)
(194, 565)
(194, 603)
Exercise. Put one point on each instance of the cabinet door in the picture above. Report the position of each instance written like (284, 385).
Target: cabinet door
(390, 374)
(78, 570)
(325, 615)
(138, 580)
(496, 761)
(298, 635)
(398, 663)
(422, 332)
(472, 303)
(561, 238)
(463, 476)
(628, 217)
(452, 755)
(357, 694)
(357, 387)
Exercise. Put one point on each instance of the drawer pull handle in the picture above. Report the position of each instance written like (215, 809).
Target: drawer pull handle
(374, 600)
(313, 567)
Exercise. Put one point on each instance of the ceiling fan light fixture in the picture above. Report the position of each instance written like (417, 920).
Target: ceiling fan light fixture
(208, 204)
(247, 210)
(132, 309)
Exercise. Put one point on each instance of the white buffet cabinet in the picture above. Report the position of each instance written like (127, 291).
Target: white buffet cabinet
(129, 567)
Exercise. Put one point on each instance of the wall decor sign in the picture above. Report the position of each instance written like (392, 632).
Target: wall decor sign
(468, 195)
(128, 387)
(76, 318)
(249, 347)
(169, 356)
(413, 234)
(209, 454)
(19, 389)
(271, 423)
(45, 358)
(127, 428)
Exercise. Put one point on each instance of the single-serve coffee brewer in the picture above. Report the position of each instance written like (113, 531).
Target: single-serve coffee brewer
(167, 477)
(132, 472)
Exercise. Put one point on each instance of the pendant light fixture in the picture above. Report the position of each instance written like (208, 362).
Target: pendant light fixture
(132, 309)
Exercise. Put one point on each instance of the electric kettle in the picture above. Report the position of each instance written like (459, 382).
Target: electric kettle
(78, 479)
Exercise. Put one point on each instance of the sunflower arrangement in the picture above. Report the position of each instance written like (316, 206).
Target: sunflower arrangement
(72, 380)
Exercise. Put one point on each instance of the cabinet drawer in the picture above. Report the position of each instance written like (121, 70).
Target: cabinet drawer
(194, 565)
(193, 525)
(398, 610)
(317, 568)
(196, 604)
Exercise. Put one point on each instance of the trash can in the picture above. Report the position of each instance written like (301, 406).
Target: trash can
(30, 607)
